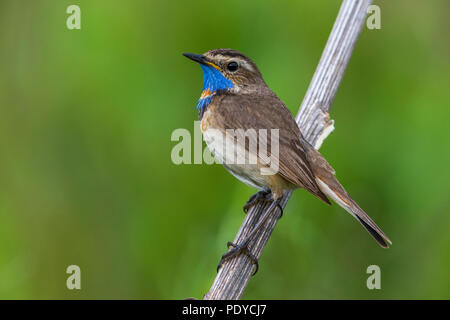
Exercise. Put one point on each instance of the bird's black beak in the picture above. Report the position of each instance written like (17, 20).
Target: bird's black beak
(196, 57)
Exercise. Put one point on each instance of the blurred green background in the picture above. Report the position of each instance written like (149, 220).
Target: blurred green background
(86, 176)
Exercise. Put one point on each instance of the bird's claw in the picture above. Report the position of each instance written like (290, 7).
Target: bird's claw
(263, 195)
(281, 209)
(235, 251)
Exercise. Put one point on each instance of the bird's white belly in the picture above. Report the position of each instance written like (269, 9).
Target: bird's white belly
(234, 157)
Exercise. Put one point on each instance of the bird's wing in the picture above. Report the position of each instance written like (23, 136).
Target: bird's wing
(257, 112)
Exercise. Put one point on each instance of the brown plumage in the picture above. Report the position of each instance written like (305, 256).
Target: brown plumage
(246, 111)
(250, 104)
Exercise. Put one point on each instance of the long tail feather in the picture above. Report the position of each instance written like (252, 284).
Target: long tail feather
(335, 191)
(328, 184)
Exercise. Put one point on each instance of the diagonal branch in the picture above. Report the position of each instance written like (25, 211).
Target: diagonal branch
(315, 124)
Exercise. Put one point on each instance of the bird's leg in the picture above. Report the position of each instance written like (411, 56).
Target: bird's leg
(242, 247)
(263, 195)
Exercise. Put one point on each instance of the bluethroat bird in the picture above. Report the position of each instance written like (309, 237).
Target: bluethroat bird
(236, 97)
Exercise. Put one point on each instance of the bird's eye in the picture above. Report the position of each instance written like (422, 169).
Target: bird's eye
(232, 66)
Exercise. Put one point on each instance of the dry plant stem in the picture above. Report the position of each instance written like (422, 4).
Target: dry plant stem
(315, 124)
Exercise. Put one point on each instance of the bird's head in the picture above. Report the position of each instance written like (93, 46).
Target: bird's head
(227, 69)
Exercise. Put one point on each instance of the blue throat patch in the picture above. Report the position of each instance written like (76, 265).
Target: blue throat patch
(213, 80)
